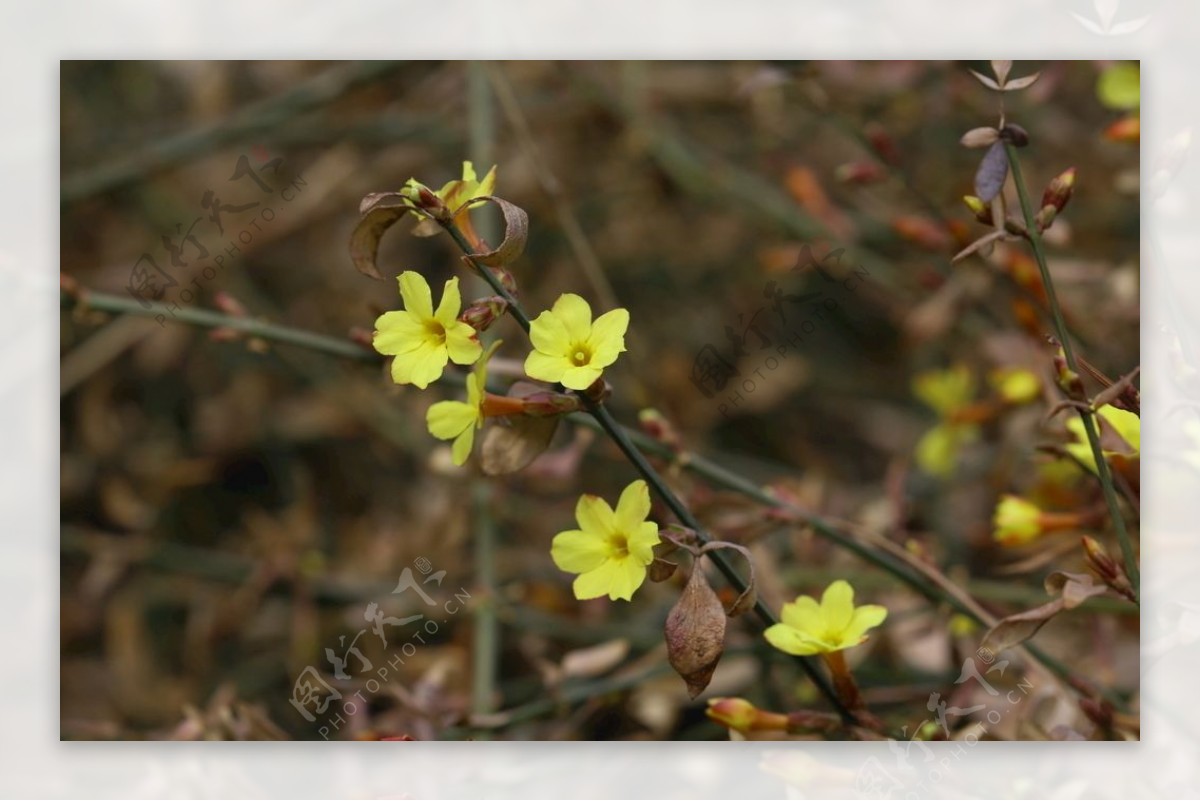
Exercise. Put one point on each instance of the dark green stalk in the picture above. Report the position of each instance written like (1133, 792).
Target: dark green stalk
(1088, 415)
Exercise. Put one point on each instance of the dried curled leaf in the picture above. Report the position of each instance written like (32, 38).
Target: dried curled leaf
(380, 211)
(511, 444)
(516, 231)
(992, 173)
(985, 80)
(661, 569)
(695, 632)
(749, 596)
(1072, 589)
(1001, 68)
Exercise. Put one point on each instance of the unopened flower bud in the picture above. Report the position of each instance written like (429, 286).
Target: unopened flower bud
(1126, 129)
(1067, 379)
(981, 210)
(1045, 217)
(860, 173)
(742, 716)
(482, 313)
(1058, 191)
(1099, 560)
(656, 425)
(599, 391)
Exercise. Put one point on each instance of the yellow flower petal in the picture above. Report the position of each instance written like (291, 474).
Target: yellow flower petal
(594, 515)
(641, 544)
(451, 304)
(448, 419)
(576, 316)
(397, 332)
(462, 344)
(578, 551)
(803, 613)
(420, 367)
(865, 618)
(1127, 425)
(607, 339)
(627, 576)
(545, 367)
(549, 335)
(414, 290)
(462, 446)
(633, 506)
(837, 605)
(580, 377)
(598, 581)
(792, 641)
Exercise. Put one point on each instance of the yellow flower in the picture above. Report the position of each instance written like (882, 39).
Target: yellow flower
(949, 393)
(945, 391)
(1128, 428)
(1015, 384)
(1016, 520)
(457, 420)
(610, 550)
(571, 349)
(456, 196)
(832, 625)
(422, 340)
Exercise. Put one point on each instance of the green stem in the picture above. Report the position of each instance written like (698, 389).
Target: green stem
(210, 319)
(1088, 416)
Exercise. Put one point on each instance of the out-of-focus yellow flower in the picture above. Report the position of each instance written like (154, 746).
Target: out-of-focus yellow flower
(945, 391)
(1015, 384)
(457, 420)
(422, 340)
(948, 392)
(1016, 521)
(834, 624)
(570, 348)
(742, 716)
(1126, 425)
(611, 549)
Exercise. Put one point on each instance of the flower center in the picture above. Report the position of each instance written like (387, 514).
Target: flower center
(436, 332)
(619, 546)
(580, 355)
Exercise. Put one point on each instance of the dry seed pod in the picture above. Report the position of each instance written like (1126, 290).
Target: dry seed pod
(695, 632)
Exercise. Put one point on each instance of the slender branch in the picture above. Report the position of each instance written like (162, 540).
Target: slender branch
(1088, 415)
(636, 440)
(617, 433)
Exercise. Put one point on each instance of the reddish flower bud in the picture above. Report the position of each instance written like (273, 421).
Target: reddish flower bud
(506, 280)
(482, 313)
(549, 404)
(860, 173)
(1058, 192)
(883, 144)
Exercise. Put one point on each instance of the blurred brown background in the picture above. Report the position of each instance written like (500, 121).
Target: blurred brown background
(231, 507)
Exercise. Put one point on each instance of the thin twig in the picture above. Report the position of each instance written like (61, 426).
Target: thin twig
(1087, 416)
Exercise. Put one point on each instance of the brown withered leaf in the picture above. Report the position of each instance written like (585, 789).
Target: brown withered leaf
(661, 569)
(1021, 83)
(985, 80)
(1072, 589)
(992, 172)
(380, 211)
(513, 442)
(695, 632)
(516, 231)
